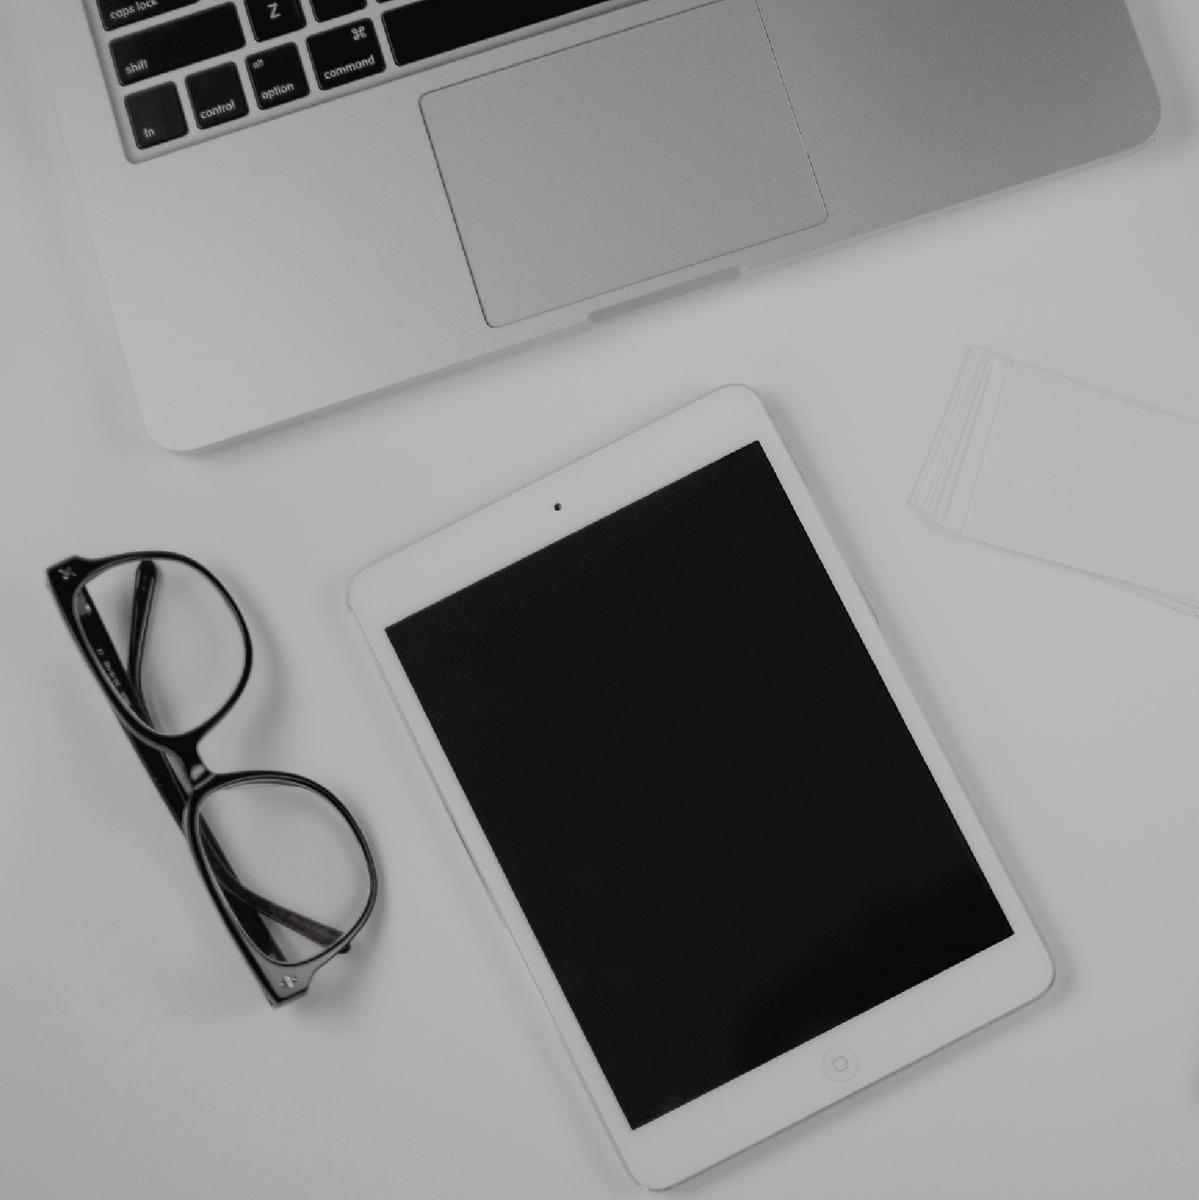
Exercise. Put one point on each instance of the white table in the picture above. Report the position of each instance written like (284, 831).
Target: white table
(138, 1057)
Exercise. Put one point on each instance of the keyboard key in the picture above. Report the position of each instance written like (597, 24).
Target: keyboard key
(176, 44)
(345, 55)
(326, 10)
(217, 96)
(429, 27)
(116, 14)
(271, 18)
(156, 116)
(277, 76)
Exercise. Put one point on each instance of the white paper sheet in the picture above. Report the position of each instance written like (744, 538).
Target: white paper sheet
(1039, 464)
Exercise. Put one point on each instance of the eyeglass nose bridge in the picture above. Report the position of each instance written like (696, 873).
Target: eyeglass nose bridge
(184, 751)
(187, 752)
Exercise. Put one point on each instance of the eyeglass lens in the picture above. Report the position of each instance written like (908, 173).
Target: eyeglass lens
(175, 637)
(295, 854)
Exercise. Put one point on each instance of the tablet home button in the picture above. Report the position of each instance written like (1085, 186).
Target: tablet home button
(840, 1064)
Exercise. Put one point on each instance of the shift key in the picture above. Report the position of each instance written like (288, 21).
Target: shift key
(180, 43)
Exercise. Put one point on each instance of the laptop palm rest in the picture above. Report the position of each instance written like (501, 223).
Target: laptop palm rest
(621, 159)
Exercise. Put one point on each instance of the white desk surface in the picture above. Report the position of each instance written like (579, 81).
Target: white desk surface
(137, 1055)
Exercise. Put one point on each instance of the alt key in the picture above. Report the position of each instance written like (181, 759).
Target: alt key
(277, 76)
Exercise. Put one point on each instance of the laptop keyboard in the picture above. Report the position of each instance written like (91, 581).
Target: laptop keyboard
(181, 71)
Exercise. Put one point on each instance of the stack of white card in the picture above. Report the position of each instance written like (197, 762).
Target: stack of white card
(1039, 464)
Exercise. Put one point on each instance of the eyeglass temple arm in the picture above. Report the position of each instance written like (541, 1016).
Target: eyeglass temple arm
(145, 583)
(247, 905)
(155, 761)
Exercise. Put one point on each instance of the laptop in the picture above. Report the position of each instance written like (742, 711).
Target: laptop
(299, 202)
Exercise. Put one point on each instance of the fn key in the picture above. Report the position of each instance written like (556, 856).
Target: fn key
(155, 116)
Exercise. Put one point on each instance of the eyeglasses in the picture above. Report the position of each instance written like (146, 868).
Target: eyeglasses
(270, 846)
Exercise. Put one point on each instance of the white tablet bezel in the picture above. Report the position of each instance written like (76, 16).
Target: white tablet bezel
(833, 1065)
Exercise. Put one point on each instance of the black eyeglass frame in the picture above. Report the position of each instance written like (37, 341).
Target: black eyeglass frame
(185, 789)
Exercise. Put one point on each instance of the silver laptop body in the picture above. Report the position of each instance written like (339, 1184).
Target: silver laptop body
(299, 202)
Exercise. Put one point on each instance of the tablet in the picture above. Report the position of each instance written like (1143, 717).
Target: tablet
(701, 797)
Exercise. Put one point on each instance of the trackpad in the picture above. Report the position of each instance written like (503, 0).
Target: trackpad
(621, 159)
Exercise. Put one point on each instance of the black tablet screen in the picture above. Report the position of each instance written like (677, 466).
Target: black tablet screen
(701, 792)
